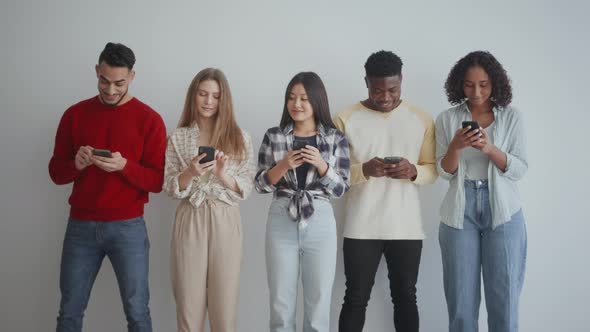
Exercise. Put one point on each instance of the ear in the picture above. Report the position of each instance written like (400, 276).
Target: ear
(131, 76)
(401, 77)
(366, 82)
(96, 70)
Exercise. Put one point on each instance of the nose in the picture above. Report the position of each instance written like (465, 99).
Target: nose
(297, 103)
(209, 100)
(111, 89)
(384, 98)
(477, 92)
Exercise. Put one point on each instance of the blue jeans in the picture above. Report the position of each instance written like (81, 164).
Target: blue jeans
(311, 251)
(477, 250)
(85, 245)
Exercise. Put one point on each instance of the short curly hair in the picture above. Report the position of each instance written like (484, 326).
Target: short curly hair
(383, 64)
(501, 88)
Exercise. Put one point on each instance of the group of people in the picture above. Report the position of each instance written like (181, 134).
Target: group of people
(376, 153)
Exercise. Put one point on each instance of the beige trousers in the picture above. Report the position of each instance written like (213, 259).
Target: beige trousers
(205, 265)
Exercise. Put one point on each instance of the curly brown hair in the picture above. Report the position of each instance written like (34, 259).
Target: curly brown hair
(501, 88)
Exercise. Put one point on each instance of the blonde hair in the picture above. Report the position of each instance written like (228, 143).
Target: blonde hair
(226, 135)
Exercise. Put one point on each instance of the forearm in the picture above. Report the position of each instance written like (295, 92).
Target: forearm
(184, 179)
(63, 171)
(498, 157)
(276, 173)
(230, 183)
(450, 161)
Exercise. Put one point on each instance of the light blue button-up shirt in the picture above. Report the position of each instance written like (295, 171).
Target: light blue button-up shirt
(508, 136)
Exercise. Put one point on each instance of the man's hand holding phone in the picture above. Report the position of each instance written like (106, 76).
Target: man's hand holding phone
(374, 168)
(399, 168)
(83, 157)
(113, 164)
(391, 167)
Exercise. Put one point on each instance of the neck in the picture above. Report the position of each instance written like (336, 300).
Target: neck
(125, 99)
(206, 124)
(305, 128)
(480, 109)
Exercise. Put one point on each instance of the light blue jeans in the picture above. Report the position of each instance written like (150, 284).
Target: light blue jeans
(477, 249)
(311, 251)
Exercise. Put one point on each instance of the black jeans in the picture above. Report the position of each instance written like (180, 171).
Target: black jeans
(361, 260)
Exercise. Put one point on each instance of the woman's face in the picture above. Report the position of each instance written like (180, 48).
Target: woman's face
(298, 104)
(207, 98)
(477, 86)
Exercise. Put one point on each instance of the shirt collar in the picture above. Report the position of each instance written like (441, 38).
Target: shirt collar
(288, 130)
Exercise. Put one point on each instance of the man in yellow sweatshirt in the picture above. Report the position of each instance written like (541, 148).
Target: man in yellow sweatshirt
(392, 151)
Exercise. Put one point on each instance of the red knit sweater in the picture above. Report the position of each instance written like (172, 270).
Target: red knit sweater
(134, 130)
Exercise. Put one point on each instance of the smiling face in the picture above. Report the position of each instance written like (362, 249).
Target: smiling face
(384, 92)
(298, 105)
(477, 86)
(113, 84)
(207, 99)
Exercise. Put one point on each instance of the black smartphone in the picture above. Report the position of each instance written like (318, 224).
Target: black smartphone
(298, 145)
(473, 124)
(102, 153)
(209, 151)
(392, 160)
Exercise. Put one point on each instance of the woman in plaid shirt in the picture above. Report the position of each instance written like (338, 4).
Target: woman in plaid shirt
(304, 162)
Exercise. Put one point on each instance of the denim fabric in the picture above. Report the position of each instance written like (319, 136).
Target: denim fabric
(478, 250)
(85, 245)
(311, 251)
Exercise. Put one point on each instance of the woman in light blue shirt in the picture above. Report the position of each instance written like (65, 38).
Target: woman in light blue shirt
(483, 230)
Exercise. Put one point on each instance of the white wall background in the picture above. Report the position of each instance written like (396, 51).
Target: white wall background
(49, 49)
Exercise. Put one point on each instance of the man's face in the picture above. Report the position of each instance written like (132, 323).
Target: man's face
(384, 92)
(113, 83)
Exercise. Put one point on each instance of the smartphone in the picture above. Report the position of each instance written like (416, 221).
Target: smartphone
(298, 145)
(210, 154)
(102, 153)
(392, 160)
(474, 125)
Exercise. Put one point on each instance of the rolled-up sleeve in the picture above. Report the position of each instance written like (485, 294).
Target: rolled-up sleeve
(516, 154)
(245, 173)
(265, 162)
(337, 178)
(172, 170)
(442, 145)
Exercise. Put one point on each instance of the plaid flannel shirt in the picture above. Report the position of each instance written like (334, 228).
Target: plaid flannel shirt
(333, 148)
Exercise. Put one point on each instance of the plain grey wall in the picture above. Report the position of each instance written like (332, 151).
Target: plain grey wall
(49, 49)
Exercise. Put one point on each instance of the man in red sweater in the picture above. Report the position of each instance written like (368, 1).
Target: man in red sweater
(109, 192)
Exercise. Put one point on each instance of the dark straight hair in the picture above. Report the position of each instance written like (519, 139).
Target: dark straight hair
(318, 98)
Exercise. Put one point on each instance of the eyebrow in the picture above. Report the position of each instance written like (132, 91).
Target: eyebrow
(293, 94)
(105, 79)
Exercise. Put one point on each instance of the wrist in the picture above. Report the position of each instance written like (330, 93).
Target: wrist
(190, 172)
(454, 152)
(324, 168)
(488, 149)
(363, 169)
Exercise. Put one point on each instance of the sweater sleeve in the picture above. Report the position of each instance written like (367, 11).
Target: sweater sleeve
(426, 166)
(62, 169)
(356, 167)
(148, 173)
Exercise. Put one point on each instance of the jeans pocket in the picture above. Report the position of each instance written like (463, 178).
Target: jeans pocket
(139, 221)
(278, 207)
